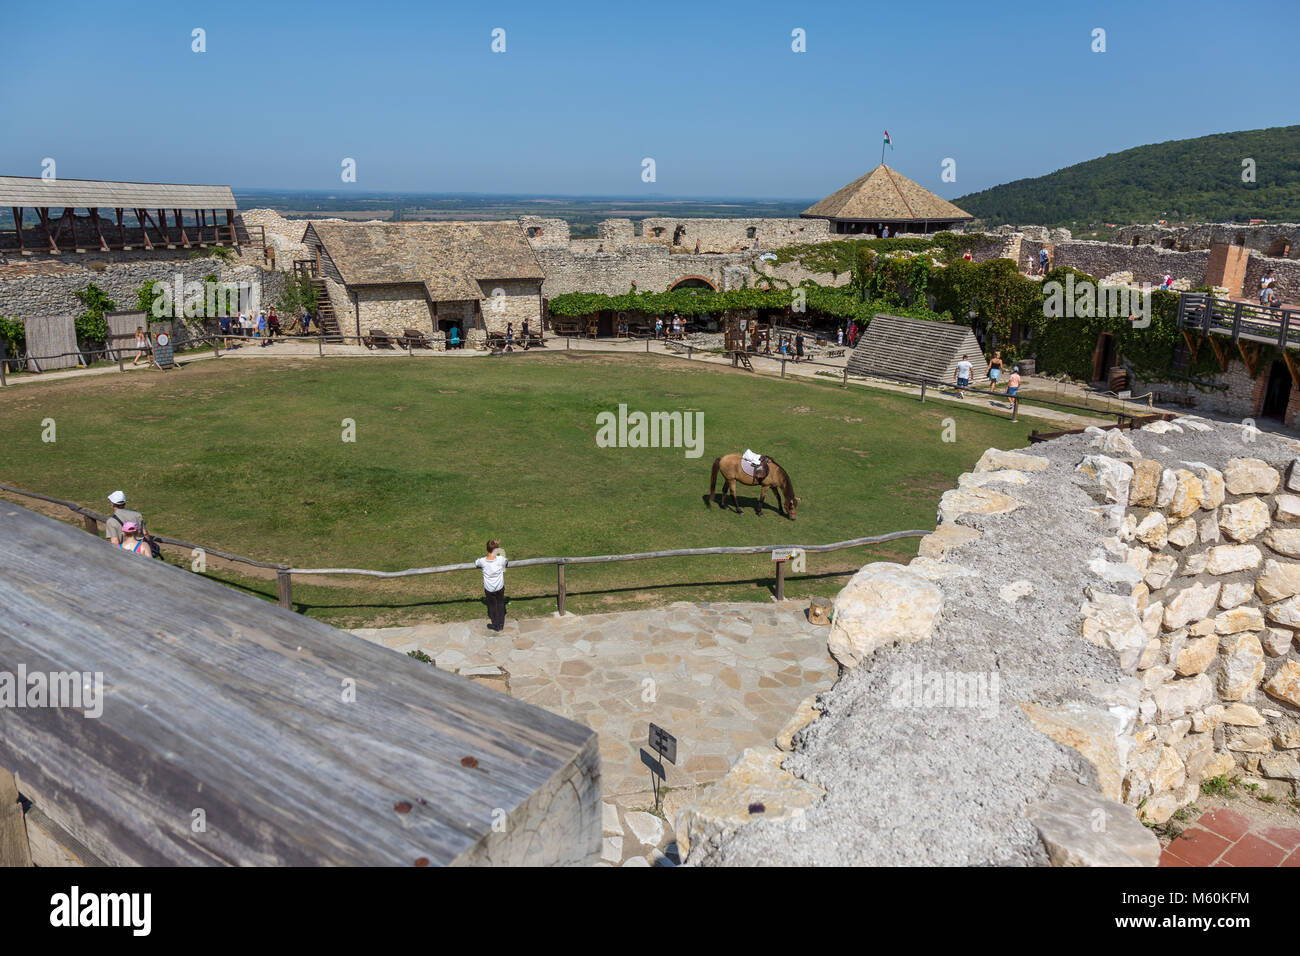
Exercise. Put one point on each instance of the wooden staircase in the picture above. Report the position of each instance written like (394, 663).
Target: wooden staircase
(740, 359)
(326, 320)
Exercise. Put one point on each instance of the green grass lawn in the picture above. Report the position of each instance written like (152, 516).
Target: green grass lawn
(248, 457)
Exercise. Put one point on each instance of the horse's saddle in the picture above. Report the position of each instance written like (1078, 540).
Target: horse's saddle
(754, 465)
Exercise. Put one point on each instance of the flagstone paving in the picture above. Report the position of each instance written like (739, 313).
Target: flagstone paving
(719, 677)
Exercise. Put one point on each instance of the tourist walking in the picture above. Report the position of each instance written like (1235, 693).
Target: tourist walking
(141, 345)
(493, 566)
(523, 333)
(120, 516)
(223, 324)
(963, 375)
(1013, 389)
(659, 326)
(839, 335)
(273, 323)
(1042, 261)
(132, 541)
(798, 347)
(995, 370)
(1266, 291)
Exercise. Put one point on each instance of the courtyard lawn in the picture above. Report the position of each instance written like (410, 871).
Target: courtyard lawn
(248, 457)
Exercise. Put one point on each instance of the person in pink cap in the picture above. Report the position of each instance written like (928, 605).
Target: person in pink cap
(132, 541)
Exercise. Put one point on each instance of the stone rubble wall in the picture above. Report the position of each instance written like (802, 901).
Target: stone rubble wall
(733, 235)
(44, 289)
(1210, 621)
(1138, 596)
(1266, 239)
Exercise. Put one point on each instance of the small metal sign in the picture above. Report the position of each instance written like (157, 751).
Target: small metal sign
(162, 344)
(663, 743)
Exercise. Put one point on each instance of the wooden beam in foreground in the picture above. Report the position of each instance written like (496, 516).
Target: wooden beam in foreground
(294, 743)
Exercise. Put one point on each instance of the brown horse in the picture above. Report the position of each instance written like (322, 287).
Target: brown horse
(776, 479)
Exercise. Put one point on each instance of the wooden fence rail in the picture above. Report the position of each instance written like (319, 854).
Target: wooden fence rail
(284, 573)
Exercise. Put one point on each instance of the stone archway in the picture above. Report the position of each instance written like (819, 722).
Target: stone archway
(693, 282)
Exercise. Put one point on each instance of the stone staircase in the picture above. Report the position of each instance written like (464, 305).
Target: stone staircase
(898, 347)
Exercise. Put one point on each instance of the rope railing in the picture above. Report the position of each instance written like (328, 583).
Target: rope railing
(284, 573)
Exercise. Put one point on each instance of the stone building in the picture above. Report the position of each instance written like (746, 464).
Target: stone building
(430, 276)
(883, 198)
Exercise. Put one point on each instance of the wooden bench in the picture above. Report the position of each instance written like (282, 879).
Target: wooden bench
(377, 338)
(414, 339)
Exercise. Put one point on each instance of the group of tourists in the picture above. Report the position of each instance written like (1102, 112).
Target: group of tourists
(676, 328)
(792, 346)
(125, 529)
(994, 374)
(1266, 291)
(262, 325)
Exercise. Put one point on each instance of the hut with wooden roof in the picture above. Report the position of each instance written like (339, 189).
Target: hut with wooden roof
(884, 198)
(427, 276)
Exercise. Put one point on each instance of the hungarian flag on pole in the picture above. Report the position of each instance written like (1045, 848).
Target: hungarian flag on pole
(888, 142)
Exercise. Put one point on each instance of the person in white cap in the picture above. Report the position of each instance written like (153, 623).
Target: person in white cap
(121, 515)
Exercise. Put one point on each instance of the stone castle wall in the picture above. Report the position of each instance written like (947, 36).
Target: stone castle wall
(1267, 239)
(733, 235)
(29, 290)
(652, 266)
(1096, 627)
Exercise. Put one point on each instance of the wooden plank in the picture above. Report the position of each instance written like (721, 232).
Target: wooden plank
(1249, 357)
(14, 850)
(1193, 343)
(297, 742)
(140, 215)
(1292, 366)
(94, 219)
(1220, 352)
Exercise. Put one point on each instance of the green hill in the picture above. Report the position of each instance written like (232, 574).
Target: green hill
(1183, 180)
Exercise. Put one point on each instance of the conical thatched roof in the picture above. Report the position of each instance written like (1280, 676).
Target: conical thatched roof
(884, 195)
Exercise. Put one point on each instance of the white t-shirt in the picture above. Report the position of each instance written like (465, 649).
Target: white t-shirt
(963, 369)
(494, 572)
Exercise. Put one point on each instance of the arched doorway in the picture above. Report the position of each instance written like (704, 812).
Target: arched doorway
(1277, 394)
(692, 282)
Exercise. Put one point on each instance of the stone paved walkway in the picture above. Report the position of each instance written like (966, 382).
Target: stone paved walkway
(1224, 837)
(719, 677)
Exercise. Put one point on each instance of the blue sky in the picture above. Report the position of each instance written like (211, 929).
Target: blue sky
(710, 90)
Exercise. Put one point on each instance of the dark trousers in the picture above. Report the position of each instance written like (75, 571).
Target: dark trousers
(496, 602)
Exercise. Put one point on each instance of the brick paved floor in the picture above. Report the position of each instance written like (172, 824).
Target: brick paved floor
(1224, 837)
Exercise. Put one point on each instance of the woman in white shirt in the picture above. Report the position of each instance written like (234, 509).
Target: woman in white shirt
(494, 584)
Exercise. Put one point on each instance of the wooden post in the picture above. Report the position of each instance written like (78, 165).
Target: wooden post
(783, 366)
(90, 524)
(560, 592)
(320, 345)
(780, 580)
(923, 391)
(846, 377)
(1015, 407)
(284, 583)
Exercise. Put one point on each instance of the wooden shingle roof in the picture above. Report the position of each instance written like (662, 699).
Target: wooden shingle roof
(32, 191)
(884, 195)
(447, 258)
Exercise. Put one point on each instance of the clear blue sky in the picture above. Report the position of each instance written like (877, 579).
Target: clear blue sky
(584, 91)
